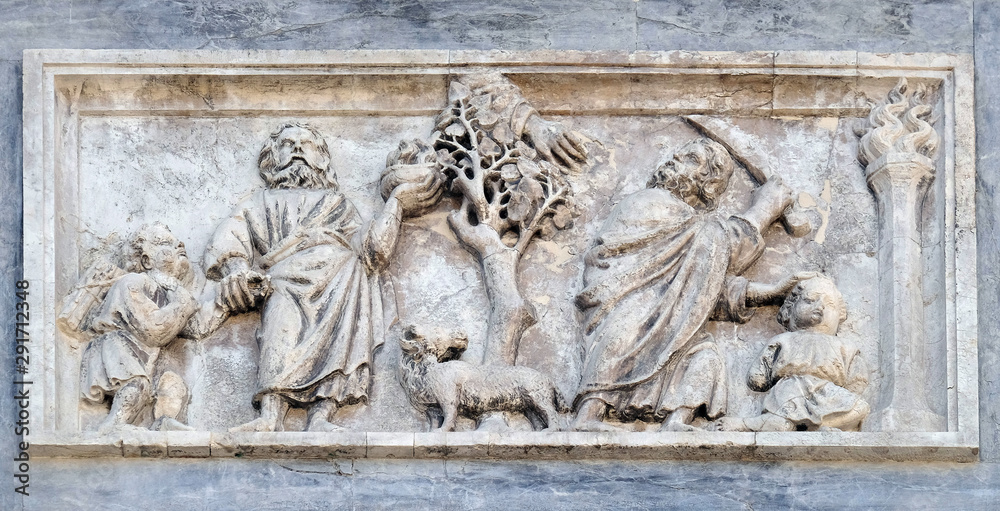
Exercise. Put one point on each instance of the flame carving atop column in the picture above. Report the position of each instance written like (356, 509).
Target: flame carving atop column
(898, 152)
(899, 125)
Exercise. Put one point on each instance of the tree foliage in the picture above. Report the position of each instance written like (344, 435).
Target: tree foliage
(503, 182)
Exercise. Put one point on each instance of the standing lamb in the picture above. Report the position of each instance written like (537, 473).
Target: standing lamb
(445, 388)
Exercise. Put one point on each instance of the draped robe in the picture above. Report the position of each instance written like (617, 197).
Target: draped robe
(657, 273)
(323, 320)
(134, 321)
(811, 378)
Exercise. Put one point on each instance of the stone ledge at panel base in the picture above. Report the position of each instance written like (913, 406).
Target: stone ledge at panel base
(389, 445)
(465, 444)
(341, 444)
(189, 444)
(697, 445)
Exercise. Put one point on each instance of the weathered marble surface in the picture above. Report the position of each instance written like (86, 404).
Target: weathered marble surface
(987, 39)
(462, 485)
(200, 131)
(881, 26)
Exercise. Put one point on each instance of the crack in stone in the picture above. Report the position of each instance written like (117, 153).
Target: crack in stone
(337, 472)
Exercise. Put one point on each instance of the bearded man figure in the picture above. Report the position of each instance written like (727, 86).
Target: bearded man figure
(304, 241)
(663, 265)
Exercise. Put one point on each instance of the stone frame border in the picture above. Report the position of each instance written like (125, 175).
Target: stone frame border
(48, 127)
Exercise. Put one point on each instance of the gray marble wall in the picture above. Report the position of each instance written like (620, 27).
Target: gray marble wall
(866, 25)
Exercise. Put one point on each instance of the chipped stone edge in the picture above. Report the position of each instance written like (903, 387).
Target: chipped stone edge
(701, 445)
(960, 444)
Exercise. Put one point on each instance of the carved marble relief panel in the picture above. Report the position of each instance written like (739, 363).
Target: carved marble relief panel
(760, 255)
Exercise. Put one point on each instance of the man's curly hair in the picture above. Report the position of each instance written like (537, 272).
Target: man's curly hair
(149, 235)
(708, 182)
(821, 285)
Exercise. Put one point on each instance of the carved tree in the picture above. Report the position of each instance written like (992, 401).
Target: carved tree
(509, 195)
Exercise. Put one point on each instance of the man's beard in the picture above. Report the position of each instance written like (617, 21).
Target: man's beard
(299, 174)
(185, 273)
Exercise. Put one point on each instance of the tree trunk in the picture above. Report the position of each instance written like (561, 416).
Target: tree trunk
(510, 313)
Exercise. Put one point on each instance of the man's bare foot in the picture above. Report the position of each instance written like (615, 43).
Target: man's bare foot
(323, 426)
(729, 424)
(599, 426)
(169, 424)
(112, 428)
(273, 409)
(679, 420)
(258, 425)
(669, 425)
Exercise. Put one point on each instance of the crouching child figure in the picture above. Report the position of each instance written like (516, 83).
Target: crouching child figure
(813, 379)
(128, 313)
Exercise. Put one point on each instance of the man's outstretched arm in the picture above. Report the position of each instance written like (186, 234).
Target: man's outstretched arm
(379, 242)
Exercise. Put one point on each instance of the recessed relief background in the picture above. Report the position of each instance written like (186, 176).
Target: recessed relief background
(194, 171)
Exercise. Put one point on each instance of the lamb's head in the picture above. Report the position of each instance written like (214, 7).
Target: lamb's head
(418, 342)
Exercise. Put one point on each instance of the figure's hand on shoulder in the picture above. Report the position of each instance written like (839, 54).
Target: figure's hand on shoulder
(555, 143)
(785, 286)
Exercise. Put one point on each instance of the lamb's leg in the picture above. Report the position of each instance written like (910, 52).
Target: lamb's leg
(434, 418)
(449, 407)
(545, 409)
